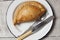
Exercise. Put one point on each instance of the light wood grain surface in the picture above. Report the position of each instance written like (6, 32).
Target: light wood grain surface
(54, 34)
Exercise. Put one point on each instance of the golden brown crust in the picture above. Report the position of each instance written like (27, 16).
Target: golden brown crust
(28, 11)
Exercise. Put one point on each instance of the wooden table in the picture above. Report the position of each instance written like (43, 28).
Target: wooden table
(54, 34)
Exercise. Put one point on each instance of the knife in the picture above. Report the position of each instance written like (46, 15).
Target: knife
(35, 28)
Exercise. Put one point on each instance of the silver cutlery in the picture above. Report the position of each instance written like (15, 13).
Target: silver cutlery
(35, 28)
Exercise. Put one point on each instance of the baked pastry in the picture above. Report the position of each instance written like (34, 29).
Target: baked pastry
(28, 11)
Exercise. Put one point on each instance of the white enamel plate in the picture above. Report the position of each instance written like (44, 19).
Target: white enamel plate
(19, 29)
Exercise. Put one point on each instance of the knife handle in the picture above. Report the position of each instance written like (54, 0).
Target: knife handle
(25, 35)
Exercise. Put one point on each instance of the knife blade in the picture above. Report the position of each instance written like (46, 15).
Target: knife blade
(39, 25)
(35, 28)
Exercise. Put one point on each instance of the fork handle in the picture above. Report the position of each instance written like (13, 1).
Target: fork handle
(25, 35)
